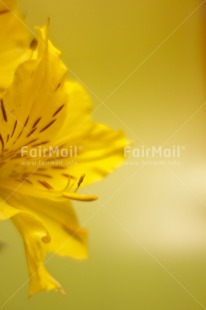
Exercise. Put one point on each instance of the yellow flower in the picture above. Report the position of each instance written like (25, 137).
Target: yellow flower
(39, 111)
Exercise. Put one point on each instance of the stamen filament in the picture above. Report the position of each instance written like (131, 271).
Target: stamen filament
(75, 196)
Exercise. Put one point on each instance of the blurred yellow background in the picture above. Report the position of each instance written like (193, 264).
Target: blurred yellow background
(143, 64)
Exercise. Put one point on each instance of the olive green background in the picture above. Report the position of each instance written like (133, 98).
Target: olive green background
(143, 63)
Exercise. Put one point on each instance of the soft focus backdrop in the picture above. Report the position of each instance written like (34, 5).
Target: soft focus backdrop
(144, 65)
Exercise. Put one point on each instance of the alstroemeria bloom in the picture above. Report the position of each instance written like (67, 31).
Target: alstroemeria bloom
(39, 110)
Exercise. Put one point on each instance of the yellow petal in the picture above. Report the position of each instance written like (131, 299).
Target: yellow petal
(102, 153)
(101, 149)
(6, 5)
(34, 236)
(59, 220)
(47, 226)
(32, 102)
(14, 42)
(6, 211)
(29, 109)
